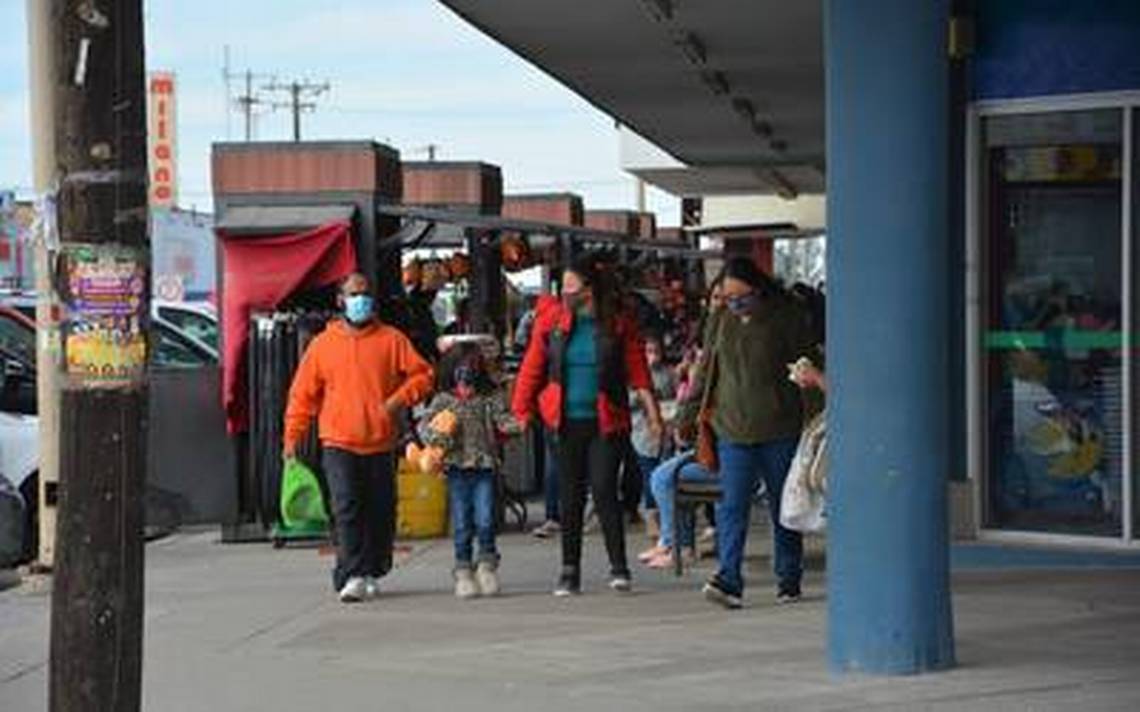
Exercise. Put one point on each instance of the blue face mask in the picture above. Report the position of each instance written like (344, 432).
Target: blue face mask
(741, 305)
(358, 308)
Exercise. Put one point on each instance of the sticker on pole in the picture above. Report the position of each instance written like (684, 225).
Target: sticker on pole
(103, 289)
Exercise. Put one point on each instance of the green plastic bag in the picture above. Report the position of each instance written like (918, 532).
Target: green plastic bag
(302, 506)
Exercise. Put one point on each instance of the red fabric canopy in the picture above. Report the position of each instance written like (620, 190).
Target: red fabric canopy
(259, 274)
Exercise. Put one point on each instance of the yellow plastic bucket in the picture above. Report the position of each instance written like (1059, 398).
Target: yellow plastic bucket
(421, 509)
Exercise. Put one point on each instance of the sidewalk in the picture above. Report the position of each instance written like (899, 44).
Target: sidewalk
(235, 628)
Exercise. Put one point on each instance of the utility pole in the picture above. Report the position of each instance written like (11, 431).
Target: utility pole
(41, 65)
(98, 120)
(227, 77)
(248, 101)
(296, 91)
(431, 150)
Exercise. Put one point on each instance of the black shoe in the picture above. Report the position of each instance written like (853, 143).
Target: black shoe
(715, 593)
(789, 593)
(567, 586)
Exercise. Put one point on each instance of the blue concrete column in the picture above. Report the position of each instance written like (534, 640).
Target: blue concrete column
(887, 192)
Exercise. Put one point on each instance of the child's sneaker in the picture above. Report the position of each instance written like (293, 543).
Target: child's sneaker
(465, 586)
(487, 578)
(547, 529)
(371, 587)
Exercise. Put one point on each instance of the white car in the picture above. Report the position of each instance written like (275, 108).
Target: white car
(197, 321)
(19, 461)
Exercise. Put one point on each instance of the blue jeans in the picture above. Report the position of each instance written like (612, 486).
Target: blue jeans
(473, 514)
(740, 468)
(647, 465)
(663, 482)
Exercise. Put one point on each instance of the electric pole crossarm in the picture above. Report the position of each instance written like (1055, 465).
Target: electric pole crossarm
(297, 91)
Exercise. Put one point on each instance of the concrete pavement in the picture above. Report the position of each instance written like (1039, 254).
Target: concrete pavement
(236, 628)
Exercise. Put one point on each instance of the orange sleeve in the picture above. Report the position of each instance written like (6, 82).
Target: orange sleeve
(305, 397)
(416, 373)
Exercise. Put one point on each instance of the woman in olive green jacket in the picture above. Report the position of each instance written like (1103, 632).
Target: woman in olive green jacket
(757, 417)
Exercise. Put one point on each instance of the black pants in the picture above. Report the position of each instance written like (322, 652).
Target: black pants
(363, 494)
(589, 460)
(632, 481)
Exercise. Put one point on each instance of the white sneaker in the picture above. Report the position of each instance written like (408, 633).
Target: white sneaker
(465, 586)
(487, 578)
(371, 587)
(621, 584)
(355, 591)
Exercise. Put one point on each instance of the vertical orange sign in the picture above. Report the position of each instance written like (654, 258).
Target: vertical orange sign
(163, 185)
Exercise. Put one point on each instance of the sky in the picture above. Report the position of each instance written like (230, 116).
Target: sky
(408, 73)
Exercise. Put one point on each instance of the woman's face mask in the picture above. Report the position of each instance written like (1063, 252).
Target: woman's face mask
(358, 308)
(741, 305)
(576, 301)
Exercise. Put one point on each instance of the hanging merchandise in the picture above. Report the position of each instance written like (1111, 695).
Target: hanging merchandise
(412, 274)
(277, 342)
(514, 251)
(435, 275)
(459, 266)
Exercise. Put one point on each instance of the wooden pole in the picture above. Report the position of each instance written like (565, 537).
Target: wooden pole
(99, 124)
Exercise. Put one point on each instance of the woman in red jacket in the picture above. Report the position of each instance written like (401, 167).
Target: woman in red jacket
(584, 357)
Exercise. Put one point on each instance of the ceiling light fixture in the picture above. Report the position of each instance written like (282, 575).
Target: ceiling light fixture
(693, 48)
(716, 81)
(745, 108)
(662, 10)
(784, 187)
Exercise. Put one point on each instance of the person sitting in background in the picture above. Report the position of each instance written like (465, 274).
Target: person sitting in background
(648, 446)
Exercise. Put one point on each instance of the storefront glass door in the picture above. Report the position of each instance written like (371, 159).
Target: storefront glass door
(1052, 315)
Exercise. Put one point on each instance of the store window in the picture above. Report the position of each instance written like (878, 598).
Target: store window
(1053, 350)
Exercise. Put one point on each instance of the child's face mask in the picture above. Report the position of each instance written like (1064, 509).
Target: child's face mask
(465, 377)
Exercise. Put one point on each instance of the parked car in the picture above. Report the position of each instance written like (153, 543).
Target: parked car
(19, 428)
(19, 466)
(197, 321)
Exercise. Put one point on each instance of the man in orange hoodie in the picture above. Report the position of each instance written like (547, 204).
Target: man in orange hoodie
(355, 378)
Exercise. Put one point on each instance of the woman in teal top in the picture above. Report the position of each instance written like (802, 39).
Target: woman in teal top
(580, 373)
(584, 357)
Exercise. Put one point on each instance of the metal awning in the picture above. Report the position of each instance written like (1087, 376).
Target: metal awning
(267, 219)
(733, 89)
(420, 223)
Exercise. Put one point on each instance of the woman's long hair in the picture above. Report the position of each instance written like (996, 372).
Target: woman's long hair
(598, 274)
(745, 270)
